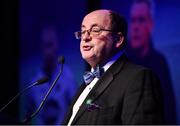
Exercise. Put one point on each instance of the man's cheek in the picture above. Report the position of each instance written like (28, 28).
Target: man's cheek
(81, 50)
(99, 49)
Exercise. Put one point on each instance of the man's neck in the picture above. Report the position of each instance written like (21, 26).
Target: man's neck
(144, 51)
(109, 60)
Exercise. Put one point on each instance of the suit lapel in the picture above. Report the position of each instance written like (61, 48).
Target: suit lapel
(106, 79)
(69, 113)
(101, 85)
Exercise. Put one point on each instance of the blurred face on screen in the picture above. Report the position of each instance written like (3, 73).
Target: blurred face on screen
(140, 27)
(49, 44)
(96, 47)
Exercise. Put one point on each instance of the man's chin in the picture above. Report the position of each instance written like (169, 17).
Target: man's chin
(88, 57)
(137, 50)
(136, 46)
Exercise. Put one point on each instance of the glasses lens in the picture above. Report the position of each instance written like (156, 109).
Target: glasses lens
(95, 30)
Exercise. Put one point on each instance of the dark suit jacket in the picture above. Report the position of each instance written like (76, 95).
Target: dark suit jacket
(125, 94)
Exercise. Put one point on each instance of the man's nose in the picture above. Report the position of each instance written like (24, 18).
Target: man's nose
(135, 27)
(86, 37)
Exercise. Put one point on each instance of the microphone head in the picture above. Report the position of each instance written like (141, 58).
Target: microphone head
(42, 80)
(61, 59)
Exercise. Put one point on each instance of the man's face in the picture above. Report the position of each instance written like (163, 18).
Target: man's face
(140, 26)
(96, 48)
(49, 44)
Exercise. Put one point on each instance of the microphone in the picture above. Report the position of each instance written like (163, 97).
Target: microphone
(61, 60)
(38, 82)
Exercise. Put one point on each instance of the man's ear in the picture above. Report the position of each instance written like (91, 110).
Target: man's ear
(119, 39)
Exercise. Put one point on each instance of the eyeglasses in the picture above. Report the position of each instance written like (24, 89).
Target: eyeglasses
(93, 31)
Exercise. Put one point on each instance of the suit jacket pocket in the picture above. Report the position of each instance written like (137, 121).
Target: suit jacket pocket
(105, 115)
(106, 111)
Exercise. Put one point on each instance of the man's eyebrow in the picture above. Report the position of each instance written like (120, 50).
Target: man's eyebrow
(94, 25)
(83, 26)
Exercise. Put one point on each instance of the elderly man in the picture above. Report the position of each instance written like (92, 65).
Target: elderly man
(116, 91)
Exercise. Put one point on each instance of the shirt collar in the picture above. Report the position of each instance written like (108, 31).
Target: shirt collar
(111, 61)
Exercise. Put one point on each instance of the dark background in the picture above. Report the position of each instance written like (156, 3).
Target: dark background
(9, 54)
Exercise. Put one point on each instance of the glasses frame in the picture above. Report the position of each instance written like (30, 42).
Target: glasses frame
(79, 34)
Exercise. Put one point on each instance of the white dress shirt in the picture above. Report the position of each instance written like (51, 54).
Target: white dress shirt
(89, 87)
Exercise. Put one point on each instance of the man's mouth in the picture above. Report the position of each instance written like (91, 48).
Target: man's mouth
(87, 48)
(136, 38)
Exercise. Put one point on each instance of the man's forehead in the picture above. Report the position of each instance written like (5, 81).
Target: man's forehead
(101, 17)
(99, 12)
(139, 8)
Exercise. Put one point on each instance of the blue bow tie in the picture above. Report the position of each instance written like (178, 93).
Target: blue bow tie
(89, 76)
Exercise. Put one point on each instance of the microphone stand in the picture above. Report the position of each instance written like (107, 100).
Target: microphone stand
(38, 82)
(26, 120)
